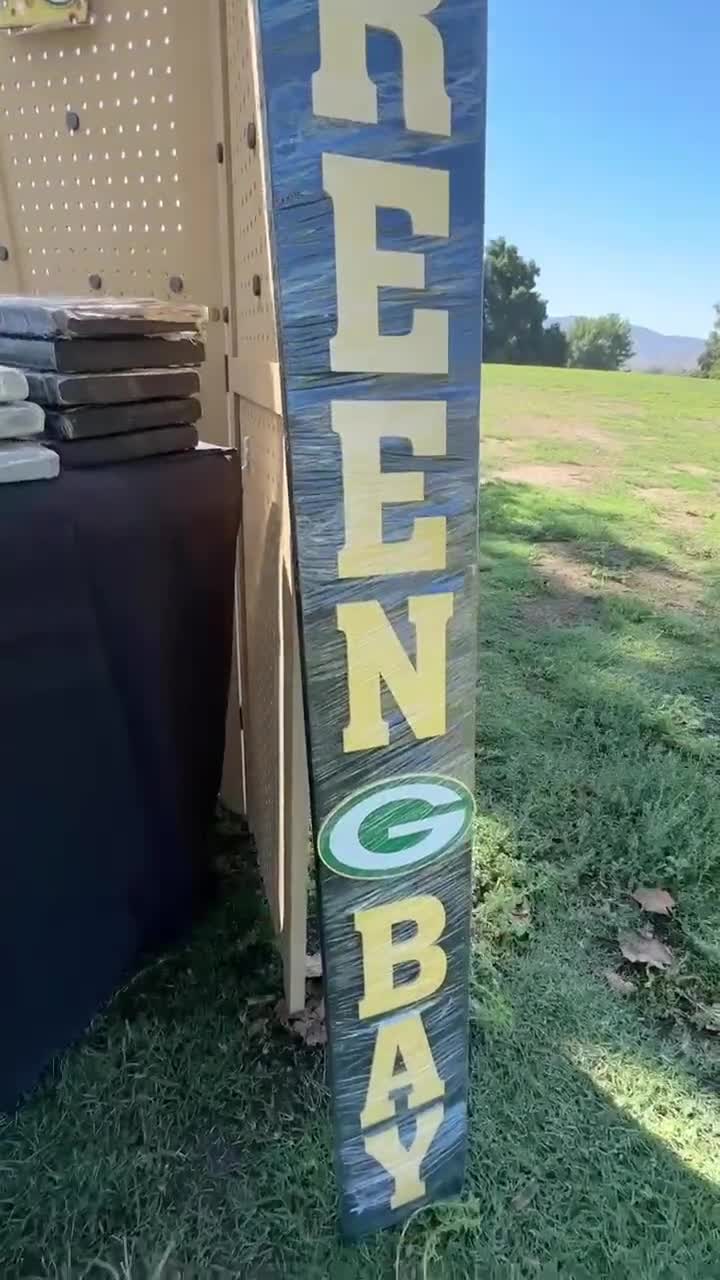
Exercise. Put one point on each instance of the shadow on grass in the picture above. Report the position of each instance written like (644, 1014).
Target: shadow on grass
(614, 719)
(568, 1175)
(186, 1125)
(598, 757)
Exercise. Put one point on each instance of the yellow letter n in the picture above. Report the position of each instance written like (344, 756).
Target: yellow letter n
(376, 654)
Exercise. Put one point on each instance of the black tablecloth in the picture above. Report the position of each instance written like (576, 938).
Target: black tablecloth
(116, 606)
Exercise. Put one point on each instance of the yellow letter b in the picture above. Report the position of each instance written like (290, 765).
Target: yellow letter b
(382, 955)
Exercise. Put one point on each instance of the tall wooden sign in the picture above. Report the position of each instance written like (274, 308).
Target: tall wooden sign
(375, 127)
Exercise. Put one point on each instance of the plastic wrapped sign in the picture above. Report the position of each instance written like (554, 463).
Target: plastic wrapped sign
(42, 13)
(375, 127)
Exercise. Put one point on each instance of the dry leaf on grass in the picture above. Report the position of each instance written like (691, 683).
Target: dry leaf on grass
(524, 1198)
(521, 919)
(649, 951)
(313, 966)
(708, 1017)
(619, 984)
(308, 1025)
(657, 902)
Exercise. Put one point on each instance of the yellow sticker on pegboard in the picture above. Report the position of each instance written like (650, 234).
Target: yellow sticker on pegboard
(42, 13)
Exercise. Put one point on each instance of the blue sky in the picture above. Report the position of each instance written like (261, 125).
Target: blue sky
(604, 153)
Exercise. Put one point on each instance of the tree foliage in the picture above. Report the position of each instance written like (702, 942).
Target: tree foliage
(515, 313)
(604, 342)
(709, 362)
(556, 348)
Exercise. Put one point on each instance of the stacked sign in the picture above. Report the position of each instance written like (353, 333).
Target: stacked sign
(375, 164)
(114, 377)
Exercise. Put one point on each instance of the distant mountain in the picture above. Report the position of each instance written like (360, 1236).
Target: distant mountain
(655, 350)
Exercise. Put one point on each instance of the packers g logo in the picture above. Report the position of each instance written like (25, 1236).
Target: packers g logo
(392, 827)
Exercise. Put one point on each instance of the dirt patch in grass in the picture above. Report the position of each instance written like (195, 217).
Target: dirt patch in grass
(572, 595)
(552, 476)
(537, 428)
(576, 586)
(691, 469)
(594, 435)
(563, 567)
(496, 452)
(660, 497)
(685, 521)
(674, 510)
(619, 408)
(560, 611)
(670, 590)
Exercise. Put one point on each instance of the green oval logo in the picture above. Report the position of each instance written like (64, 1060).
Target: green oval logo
(392, 827)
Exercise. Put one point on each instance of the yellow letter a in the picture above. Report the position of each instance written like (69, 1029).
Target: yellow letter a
(406, 1037)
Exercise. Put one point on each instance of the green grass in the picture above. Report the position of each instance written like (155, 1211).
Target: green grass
(186, 1136)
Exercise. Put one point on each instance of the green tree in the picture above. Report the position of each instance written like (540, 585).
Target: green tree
(515, 314)
(556, 348)
(709, 362)
(601, 343)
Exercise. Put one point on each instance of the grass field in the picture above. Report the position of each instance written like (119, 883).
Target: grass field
(187, 1137)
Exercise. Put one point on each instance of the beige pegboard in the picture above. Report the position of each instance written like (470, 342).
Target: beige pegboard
(254, 336)
(108, 153)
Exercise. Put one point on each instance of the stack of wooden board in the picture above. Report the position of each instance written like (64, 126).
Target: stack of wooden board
(21, 423)
(117, 379)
